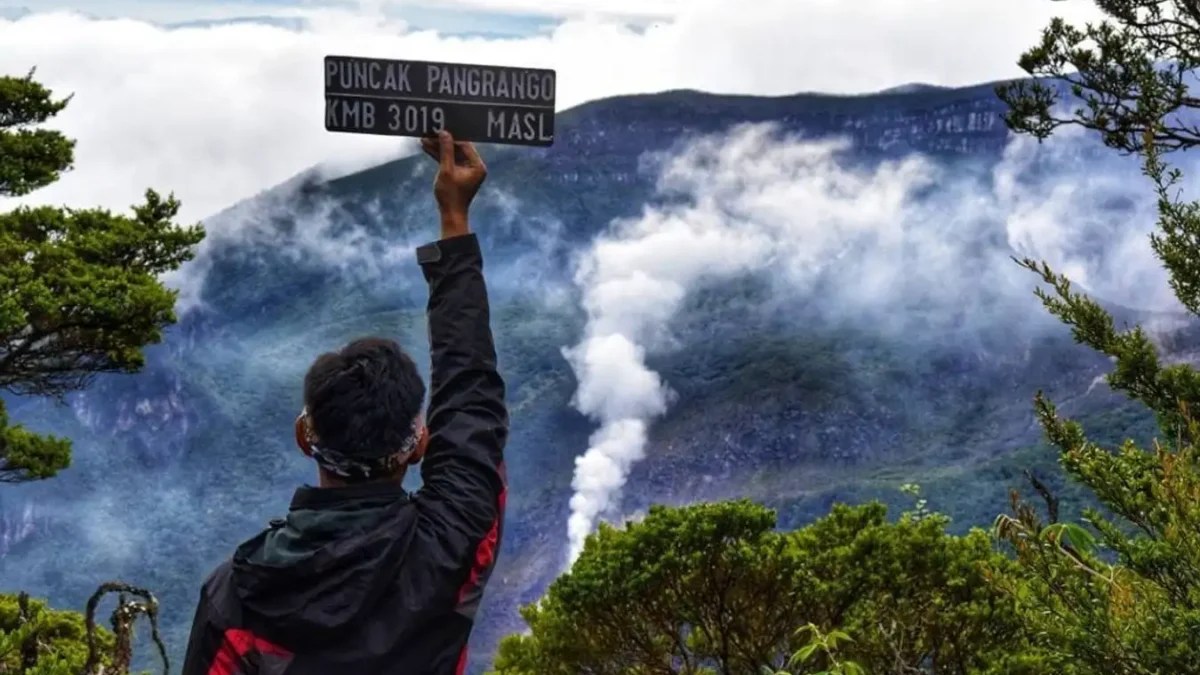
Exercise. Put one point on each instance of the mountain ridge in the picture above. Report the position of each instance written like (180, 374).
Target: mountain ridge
(917, 96)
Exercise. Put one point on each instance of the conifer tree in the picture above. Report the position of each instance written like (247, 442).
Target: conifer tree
(1120, 593)
(79, 288)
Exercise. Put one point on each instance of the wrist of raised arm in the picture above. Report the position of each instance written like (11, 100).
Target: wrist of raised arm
(454, 224)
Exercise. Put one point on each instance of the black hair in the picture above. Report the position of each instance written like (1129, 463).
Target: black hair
(363, 399)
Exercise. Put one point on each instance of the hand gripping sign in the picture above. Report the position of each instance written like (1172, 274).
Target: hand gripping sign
(482, 104)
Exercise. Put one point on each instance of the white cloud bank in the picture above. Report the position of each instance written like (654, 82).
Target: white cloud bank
(218, 114)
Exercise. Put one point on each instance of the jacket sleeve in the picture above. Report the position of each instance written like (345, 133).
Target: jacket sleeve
(463, 476)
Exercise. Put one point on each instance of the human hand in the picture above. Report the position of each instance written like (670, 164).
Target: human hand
(460, 173)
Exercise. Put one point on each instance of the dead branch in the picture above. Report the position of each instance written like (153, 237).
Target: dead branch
(123, 619)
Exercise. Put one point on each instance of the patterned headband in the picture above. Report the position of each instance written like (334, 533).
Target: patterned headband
(354, 469)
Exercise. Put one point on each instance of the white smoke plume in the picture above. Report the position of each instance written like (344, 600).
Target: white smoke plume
(759, 201)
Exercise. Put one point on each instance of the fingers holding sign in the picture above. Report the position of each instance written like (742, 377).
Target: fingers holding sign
(461, 172)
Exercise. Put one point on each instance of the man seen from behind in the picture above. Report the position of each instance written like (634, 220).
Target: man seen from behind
(362, 578)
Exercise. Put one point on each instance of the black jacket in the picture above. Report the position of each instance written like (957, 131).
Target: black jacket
(369, 580)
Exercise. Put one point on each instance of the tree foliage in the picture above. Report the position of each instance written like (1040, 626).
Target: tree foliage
(79, 288)
(714, 588)
(30, 158)
(1124, 77)
(1120, 593)
(36, 640)
(79, 296)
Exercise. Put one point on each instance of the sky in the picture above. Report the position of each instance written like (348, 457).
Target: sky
(218, 100)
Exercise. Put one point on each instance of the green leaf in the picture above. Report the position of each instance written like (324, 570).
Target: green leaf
(805, 653)
(852, 668)
(1072, 534)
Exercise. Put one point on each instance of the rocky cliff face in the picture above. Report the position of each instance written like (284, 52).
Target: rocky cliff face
(176, 465)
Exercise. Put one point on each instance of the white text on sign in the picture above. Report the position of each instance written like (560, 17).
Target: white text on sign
(441, 80)
(512, 125)
(360, 115)
(497, 104)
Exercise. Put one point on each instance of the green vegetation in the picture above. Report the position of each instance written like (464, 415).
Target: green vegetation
(1120, 594)
(715, 589)
(79, 296)
(824, 645)
(35, 639)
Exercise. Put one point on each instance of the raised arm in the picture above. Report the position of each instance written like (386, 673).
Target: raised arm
(463, 469)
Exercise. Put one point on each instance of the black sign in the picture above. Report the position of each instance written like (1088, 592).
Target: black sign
(485, 104)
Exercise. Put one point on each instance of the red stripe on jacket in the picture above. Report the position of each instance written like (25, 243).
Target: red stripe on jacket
(238, 642)
(462, 662)
(485, 553)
